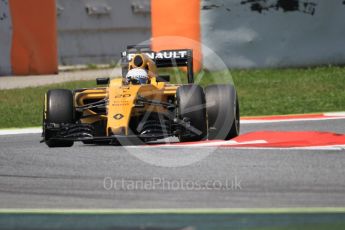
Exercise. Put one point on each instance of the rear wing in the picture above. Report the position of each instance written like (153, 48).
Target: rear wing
(163, 58)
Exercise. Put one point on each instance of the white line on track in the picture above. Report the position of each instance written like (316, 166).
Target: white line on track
(195, 145)
(213, 143)
(326, 147)
(244, 121)
(327, 116)
(287, 210)
(20, 131)
(336, 114)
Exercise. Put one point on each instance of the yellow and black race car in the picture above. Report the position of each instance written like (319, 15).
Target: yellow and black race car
(141, 106)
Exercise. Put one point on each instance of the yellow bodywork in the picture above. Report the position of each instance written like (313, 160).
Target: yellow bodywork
(121, 106)
(122, 101)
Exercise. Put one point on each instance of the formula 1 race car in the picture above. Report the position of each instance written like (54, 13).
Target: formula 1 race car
(141, 106)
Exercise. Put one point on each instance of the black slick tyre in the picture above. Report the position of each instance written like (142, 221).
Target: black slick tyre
(191, 109)
(223, 112)
(58, 109)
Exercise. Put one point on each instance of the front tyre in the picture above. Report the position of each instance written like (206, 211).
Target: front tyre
(191, 109)
(223, 112)
(58, 109)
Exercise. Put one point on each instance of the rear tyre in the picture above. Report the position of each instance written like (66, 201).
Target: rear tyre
(59, 109)
(191, 108)
(223, 112)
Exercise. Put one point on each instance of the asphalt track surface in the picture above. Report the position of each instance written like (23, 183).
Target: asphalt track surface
(34, 176)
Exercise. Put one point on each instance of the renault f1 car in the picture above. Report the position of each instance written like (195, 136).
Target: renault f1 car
(121, 111)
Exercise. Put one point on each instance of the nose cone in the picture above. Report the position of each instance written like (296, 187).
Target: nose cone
(118, 131)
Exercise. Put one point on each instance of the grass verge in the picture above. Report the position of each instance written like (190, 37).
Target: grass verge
(261, 92)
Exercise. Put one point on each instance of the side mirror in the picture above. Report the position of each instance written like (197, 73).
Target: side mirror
(102, 81)
(163, 78)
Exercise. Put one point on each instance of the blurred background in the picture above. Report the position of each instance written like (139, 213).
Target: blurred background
(38, 35)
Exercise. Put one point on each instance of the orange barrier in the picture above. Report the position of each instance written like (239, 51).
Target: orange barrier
(34, 39)
(176, 25)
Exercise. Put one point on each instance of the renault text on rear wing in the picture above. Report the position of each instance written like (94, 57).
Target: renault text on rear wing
(164, 58)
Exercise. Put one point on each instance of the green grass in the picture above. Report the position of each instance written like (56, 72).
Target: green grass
(23, 107)
(91, 66)
(288, 91)
(261, 92)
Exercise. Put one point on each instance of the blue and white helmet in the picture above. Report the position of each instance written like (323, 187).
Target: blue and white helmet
(137, 76)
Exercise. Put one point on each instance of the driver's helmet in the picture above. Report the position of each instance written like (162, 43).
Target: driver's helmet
(137, 76)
